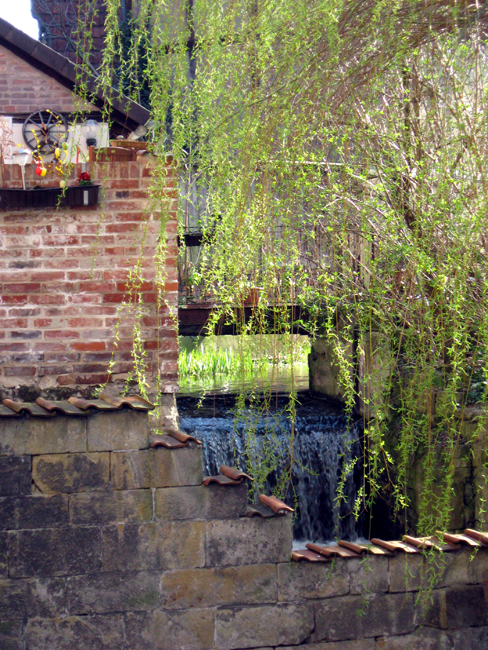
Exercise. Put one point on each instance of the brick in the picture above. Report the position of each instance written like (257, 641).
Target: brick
(67, 473)
(253, 584)
(248, 627)
(73, 632)
(15, 475)
(157, 467)
(235, 542)
(34, 436)
(113, 592)
(200, 502)
(33, 597)
(3, 555)
(457, 607)
(357, 617)
(111, 507)
(151, 546)
(117, 431)
(54, 551)
(190, 630)
(302, 580)
(11, 635)
(28, 512)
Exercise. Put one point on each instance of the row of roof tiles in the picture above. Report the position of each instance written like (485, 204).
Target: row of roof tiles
(75, 406)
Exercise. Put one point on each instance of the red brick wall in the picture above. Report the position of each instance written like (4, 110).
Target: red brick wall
(63, 276)
(24, 89)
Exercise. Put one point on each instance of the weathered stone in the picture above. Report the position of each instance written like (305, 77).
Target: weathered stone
(80, 633)
(15, 475)
(57, 435)
(146, 547)
(201, 502)
(231, 542)
(157, 467)
(3, 555)
(189, 630)
(104, 593)
(33, 512)
(412, 573)
(72, 472)
(31, 598)
(355, 617)
(54, 551)
(422, 639)
(368, 575)
(110, 507)
(298, 580)
(457, 607)
(407, 573)
(477, 566)
(474, 638)
(248, 627)
(252, 584)
(363, 644)
(11, 635)
(125, 429)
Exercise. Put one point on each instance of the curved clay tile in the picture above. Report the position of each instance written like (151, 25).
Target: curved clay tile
(181, 436)
(259, 510)
(64, 407)
(396, 546)
(275, 504)
(454, 538)
(479, 537)
(5, 412)
(309, 556)
(360, 549)
(432, 542)
(329, 551)
(133, 402)
(220, 480)
(233, 473)
(23, 408)
(85, 404)
(166, 441)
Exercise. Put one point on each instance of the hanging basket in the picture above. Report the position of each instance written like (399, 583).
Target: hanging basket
(48, 197)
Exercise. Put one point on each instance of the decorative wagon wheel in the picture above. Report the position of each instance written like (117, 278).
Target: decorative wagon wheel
(45, 130)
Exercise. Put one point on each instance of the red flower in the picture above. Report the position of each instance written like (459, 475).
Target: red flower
(84, 176)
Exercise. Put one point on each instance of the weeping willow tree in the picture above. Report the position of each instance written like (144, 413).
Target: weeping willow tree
(334, 155)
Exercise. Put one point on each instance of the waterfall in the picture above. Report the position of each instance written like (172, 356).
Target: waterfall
(323, 442)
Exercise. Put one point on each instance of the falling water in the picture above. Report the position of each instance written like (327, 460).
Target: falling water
(323, 443)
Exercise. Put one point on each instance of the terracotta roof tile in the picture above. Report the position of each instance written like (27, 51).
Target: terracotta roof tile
(25, 408)
(220, 479)
(74, 406)
(259, 510)
(460, 539)
(234, 473)
(135, 402)
(432, 542)
(85, 404)
(275, 504)
(60, 407)
(329, 551)
(309, 556)
(478, 536)
(166, 441)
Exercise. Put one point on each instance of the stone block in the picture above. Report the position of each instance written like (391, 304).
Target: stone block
(31, 598)
(75, 633)
(362, 644)
(422, 639)
(54, 551)
(35, 436)
(189, 630)
(110, 507)
(11, 635)
(104, 593)
(407, 573)
(72, 472)
(157, 467)
(232, 542)
(154, 547)
(357, 617)
(15, 475)
(3, 555)
(124, 429)
(299, 580)
(201, 502)
(474, 638)
(477, 566)
(251, 584)
(33, 512)
(368, 575)
(456, 607)
(276, 625)
(412, 573)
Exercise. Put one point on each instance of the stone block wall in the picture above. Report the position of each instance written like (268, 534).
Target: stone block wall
(64, 273)
(107, 543)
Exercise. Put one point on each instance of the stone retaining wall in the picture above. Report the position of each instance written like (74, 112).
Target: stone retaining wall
(108, 544)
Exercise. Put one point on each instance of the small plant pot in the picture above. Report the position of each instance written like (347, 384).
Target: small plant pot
(253, 296)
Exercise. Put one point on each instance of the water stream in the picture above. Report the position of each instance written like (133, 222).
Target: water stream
(323, 443)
